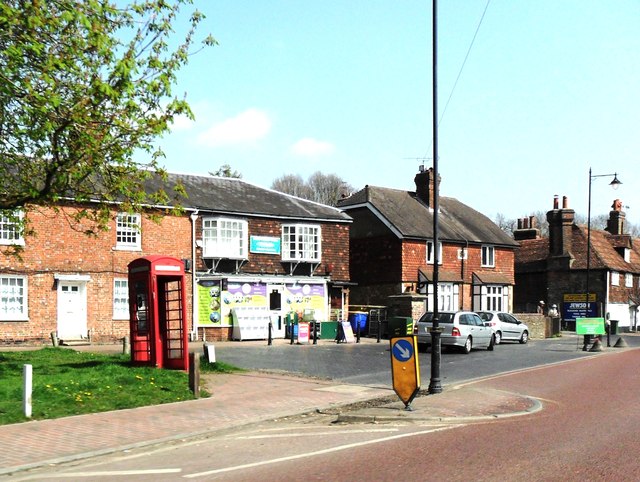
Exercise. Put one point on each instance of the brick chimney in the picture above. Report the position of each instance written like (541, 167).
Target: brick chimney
(425, 186)
(616, 221)
(527, 229)
(560, 228)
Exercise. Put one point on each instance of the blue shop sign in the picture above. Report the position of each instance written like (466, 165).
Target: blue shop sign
(579, 309)
(264, 245)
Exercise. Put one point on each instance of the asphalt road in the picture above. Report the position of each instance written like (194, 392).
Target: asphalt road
(586, 430)
(368, 362)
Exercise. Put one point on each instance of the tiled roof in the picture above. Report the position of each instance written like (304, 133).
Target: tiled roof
(225, 195)
(532, 250)
(491, 278)
(413, 219)
(443, 275)
(603, 253)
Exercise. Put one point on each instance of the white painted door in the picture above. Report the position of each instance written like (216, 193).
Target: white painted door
(72, 310)
(275, 298)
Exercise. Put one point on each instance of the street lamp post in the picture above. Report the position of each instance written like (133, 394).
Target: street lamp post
(614, 184)
(435, 385)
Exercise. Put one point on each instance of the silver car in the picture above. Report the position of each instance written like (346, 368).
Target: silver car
(461, 329)
(506, 326)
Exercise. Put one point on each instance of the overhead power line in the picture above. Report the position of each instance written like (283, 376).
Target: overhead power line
(461, 68)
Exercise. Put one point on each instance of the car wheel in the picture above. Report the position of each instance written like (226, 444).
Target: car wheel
(492, 343)
(524, 338)
(498, 337)
(466, 349)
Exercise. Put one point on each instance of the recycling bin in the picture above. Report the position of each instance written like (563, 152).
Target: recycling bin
(358, 318)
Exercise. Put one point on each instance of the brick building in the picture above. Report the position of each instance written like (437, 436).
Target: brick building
(252, 254)
(392, 251)
(554, 269)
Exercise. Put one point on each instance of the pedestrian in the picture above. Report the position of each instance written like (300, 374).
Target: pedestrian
(553, 311)
(541, 307)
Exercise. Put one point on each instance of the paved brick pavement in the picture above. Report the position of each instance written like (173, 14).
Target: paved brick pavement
(237, 399)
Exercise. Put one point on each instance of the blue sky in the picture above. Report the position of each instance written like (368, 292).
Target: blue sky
(549, 89)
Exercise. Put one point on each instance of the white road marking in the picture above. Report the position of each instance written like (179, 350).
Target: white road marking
(109, 473)
(285, 435)
(318, 452)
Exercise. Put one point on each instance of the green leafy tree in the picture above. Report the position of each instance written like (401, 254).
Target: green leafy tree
(226, 171)
(83, 85)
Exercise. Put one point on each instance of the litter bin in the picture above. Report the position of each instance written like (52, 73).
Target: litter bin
(291, 324)
(555, 326)
(358, 318)
(613, 327)
(400, 326)
(328, 330)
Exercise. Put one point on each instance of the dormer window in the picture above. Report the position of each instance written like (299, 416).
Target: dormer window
(627, 255)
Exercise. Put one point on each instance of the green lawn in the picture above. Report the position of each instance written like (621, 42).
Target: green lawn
(67, 382)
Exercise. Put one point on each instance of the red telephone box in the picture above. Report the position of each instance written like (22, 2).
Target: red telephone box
(158, 308)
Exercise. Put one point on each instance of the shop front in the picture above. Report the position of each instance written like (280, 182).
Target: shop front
(242, 307)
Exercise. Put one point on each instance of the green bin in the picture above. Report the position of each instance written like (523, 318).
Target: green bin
(400, 326)
(328, 330)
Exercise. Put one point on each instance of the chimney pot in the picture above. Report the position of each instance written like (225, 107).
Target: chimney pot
(555, 202)
(565, 202)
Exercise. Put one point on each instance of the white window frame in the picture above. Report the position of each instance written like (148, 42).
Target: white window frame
(128, 232)
(627, 255)
(628, 280)
(11, 231)
(120, 299)
(448, 296)
(494, 298)
(225, 238)
(431, 252)
(14, 302)
(302, 242)
(615, 278)
(488, 253)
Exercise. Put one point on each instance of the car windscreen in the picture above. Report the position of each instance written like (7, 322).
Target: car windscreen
(442, 317)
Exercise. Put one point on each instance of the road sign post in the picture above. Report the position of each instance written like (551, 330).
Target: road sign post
(405, 369)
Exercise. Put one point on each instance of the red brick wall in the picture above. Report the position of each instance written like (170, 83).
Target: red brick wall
(504, 263)
(414, 256)
(57, 248)
(376, 260)
(60, 246)
(334, 245)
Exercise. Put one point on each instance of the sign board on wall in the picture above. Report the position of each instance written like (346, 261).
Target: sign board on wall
(217, 297)
(264, 245)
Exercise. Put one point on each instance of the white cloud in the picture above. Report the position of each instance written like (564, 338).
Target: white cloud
(309, 147)
(250, 125)
(181, 123)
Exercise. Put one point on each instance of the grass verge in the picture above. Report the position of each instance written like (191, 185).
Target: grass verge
(68, 382)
